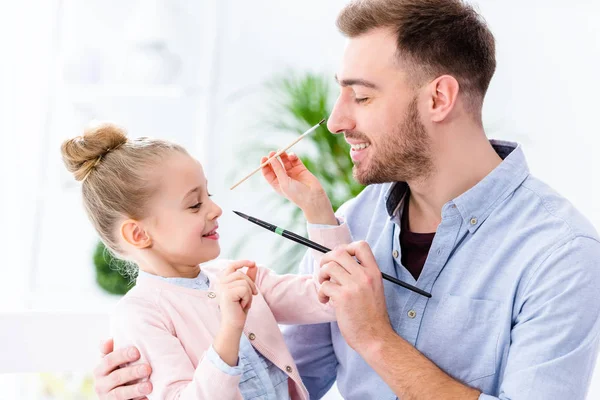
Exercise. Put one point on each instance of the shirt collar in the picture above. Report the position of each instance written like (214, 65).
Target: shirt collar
(199, 282)
(476, 204)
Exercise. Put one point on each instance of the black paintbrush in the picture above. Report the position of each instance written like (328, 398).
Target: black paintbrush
(309, 243)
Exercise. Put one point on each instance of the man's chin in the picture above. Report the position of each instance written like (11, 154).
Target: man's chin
(361, 176)
(366, 177)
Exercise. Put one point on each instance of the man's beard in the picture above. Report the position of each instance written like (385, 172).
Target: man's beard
(405, 155)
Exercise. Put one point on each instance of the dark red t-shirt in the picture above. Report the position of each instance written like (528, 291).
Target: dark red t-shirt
(415, 246)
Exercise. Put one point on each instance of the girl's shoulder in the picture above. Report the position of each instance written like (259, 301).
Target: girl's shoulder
(138, 301)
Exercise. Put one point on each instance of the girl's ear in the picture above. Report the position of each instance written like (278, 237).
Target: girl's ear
(133, 233)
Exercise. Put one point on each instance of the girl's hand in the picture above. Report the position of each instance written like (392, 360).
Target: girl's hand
(235, 293)
(291, 179)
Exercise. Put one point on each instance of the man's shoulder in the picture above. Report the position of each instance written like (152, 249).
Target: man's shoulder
(550, 207)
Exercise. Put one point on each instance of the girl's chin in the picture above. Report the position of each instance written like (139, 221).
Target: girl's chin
(210, 254)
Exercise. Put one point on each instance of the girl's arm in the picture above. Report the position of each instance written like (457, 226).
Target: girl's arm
(294, 299)
(140, 323)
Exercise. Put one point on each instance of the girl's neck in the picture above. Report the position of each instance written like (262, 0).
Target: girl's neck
(170, 271)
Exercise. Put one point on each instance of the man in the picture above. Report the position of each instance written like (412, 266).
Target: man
(512, 267)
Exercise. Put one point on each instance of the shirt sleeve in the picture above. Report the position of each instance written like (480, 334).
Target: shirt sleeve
(283, 293)
(218, 362)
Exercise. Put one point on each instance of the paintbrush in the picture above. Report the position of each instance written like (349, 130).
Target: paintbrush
(299, 138)
(309, 243)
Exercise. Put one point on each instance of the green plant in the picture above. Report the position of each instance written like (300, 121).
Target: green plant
(112, 274)
(297, 102)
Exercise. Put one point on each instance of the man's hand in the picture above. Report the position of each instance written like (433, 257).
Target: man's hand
(356, 291)
(114, 383)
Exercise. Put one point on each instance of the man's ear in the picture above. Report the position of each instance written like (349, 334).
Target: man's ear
(134, 234)
(443, 96)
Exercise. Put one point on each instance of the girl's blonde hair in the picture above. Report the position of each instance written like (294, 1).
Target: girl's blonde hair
(116, 175)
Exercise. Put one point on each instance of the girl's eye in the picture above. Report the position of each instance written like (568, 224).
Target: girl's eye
(196, 206)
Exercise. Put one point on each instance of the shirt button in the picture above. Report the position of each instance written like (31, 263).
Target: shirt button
(395, 253)
(439, 251)
(252, 336)
(211, 295)
(412, 314)
(288, 369)
(473, 221)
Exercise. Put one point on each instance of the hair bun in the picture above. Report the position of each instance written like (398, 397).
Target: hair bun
(81, 153)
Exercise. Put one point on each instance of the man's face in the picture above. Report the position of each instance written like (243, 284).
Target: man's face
(378, 112)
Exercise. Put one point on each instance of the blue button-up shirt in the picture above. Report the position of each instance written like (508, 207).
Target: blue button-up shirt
(514, 273)
(260, 378)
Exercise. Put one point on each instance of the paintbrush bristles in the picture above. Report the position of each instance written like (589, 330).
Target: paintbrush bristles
(278, 153)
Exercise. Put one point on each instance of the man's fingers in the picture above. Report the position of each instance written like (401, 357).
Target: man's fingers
(341, 256)
(122, 377)
(111, 361)
(106, 346)
(131, 392)
(328, 290)
(362, 251)
(333, 270)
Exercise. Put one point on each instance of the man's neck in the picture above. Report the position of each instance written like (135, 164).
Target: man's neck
(460, 166)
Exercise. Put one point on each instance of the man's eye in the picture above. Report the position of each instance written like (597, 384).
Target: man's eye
(361, 99)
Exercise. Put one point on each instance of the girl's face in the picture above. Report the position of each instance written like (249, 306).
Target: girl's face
(183, 218)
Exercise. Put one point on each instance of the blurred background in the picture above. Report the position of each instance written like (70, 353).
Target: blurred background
(230, 80)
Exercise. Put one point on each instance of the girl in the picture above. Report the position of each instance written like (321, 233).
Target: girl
(209, 330)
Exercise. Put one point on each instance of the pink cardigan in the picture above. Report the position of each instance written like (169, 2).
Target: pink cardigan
(174, 326)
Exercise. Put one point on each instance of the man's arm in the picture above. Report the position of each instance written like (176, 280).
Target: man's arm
(554, 341)
(357, 294)
(409, 373)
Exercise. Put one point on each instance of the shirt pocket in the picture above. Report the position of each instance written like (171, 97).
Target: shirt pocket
(463, 337)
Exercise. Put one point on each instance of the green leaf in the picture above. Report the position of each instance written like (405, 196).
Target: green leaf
(298, 101)
(113, 275)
